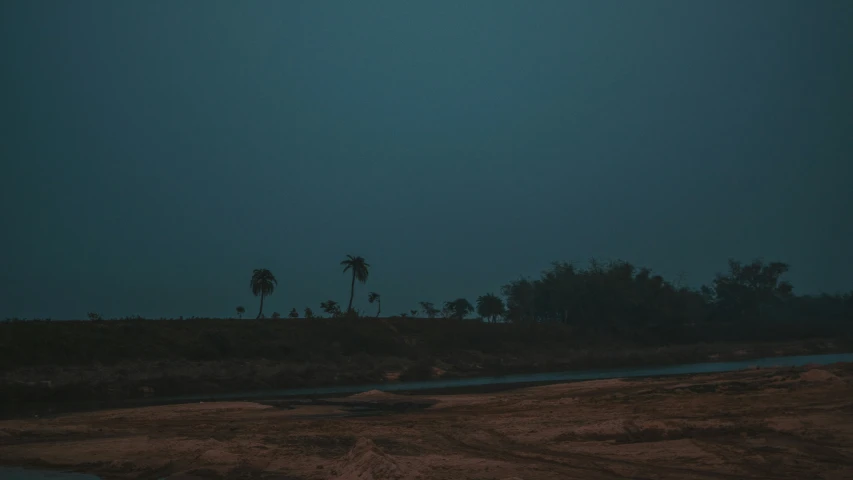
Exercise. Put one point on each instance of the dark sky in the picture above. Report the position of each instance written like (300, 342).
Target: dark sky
(155, 152)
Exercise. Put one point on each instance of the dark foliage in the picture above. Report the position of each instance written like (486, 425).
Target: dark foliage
(458, 308)
(618, 301)
(603, 306)
(419, 371)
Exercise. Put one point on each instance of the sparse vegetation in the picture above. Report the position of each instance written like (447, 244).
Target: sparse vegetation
(331, 308)
(428, 308)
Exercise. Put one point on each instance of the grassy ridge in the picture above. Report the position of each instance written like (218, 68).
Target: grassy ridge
(68, 343)
(122, 359)
(33, 343)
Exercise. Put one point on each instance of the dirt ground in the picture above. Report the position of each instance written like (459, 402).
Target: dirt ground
(756, 424)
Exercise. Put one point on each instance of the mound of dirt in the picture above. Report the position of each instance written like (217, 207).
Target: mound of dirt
(818, 375)
(366, 461)
(371, 393)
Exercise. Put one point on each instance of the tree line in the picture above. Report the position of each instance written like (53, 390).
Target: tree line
(614, 298)
(263, 283)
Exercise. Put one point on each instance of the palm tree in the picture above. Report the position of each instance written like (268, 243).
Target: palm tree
(490, 306)
(375, 297)
(240, 311)
(263, 283)
(360, 269)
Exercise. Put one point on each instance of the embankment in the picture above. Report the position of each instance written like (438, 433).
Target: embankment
(54, 362)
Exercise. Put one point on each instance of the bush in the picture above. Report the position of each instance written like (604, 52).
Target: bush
(417, 372)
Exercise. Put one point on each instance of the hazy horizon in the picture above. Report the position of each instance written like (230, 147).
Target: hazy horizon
(156, 152)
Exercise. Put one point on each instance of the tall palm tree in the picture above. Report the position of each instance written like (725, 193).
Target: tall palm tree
(375, 297)
(360, 269)
(263, 283)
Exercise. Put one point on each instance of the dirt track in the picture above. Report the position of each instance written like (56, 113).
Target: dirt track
(761, 424)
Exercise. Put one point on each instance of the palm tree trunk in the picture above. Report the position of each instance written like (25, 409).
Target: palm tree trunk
(261, 311)
(351, 291)
(379, 311)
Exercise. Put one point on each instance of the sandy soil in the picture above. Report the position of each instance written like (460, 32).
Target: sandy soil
(757, 424)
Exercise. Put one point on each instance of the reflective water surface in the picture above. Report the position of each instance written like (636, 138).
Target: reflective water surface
(21, 474)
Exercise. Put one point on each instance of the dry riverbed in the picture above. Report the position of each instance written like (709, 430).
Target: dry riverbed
(756, 424)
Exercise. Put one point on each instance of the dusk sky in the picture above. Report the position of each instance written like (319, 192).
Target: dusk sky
(155, 152)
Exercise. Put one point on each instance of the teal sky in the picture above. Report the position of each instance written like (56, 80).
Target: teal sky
(155, 152)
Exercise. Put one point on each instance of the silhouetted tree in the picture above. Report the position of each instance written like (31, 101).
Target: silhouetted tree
(276, 315)
(490, 307)
(748, 288)
(429, 309)
(94, 316)
(360, 270)
(263, 283)
(293, 313)
(414, 312)
(331, 307)
(240, 311)
(459, 308)
(613, 299)
(375, 297)
(309, 313)
(520, 297)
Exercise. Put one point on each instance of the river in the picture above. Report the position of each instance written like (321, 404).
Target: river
(21, 474)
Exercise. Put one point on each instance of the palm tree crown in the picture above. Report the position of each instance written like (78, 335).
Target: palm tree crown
(263, 283)
(360, 270)
(375, 297)
(490, 306)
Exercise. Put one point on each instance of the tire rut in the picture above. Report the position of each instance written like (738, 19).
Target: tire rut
(580, 462)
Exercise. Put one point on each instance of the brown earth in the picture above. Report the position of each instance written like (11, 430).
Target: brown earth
(756, 424)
